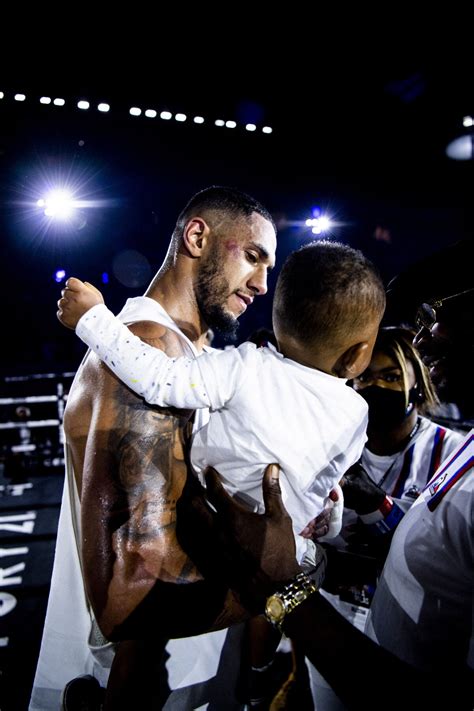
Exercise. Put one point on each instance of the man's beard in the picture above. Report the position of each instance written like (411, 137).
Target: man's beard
(212, 290)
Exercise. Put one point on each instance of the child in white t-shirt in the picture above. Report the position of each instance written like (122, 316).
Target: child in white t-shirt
(290, 406)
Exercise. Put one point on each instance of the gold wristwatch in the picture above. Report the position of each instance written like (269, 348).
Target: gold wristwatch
(285, 600)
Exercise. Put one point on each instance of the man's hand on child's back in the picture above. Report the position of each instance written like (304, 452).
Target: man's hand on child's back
(77, 297)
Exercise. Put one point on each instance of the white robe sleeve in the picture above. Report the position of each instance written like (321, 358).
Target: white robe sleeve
(148, 371)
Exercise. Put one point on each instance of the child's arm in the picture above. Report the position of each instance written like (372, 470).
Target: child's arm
(77, 297)
(207, 381)
(328, 523)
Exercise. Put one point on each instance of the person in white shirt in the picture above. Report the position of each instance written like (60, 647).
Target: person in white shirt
(422, 611)
(290, 405)
(423, 608)
(403, 451)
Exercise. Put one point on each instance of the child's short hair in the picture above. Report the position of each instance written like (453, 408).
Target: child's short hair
(326, 291)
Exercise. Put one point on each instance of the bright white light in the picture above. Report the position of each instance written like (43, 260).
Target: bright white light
(166, 115)
(135, 111)
(103, 107)
(319, 224)
(65, 196)
(19, 97)
(150, 113)
(461, 148)
(220, 122)
(468, 121)
(267, 129)
(198, 119)
(250, 127)
(45, 100)
(180, 117)
(230, 124)
(59, 275)
(83, 105)
(59, 102)
(58, 204)
(1, 94)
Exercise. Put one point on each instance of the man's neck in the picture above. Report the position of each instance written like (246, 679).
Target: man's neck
(176, 295)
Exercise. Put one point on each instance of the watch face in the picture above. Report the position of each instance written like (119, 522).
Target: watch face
(275, 608)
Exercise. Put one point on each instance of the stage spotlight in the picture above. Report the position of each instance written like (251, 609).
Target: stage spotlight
(58, 204)
(63, 201)
(461, 148)
(319, 223)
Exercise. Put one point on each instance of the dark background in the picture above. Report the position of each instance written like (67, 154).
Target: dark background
(364, 139)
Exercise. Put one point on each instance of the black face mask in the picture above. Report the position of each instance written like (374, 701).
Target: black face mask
(386, 407)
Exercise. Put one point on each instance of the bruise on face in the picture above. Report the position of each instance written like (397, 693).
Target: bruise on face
(233, 248)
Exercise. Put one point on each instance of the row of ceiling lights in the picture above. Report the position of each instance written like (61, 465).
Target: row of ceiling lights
(149, 113)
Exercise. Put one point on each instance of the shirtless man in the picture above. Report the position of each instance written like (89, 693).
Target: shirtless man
(127, 466)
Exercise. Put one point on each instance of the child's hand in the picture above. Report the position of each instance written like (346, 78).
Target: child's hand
(77, 297)
(330, 518)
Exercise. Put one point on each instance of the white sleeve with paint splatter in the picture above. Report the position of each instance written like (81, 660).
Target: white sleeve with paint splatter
(148, 371)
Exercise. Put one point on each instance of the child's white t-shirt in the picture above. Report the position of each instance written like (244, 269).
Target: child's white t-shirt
(264, 408)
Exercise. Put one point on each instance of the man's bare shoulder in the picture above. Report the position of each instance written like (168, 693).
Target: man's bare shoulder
(94, 376)
(95, 383)
(101, 407)
(159, 336)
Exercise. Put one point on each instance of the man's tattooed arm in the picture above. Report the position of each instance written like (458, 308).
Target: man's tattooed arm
(139, 578)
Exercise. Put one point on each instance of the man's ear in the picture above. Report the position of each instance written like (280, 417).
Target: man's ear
(353, 361)
(195, 236)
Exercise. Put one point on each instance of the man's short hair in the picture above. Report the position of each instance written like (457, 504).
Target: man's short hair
(228, 201)
(327, 291)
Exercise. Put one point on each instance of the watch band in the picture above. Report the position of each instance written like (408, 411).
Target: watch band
(284, 601)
